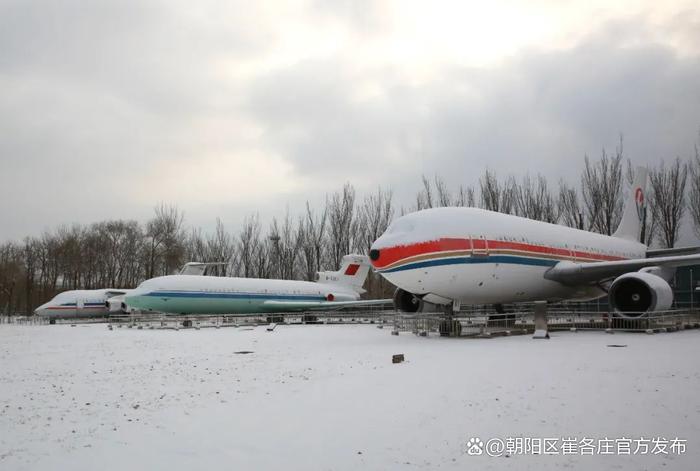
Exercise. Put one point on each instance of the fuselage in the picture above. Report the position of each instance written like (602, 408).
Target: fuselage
(477, 256)
(78, 304)
(185, 294)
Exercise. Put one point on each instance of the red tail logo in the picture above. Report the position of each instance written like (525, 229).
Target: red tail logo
(639, 199)
(352, 269)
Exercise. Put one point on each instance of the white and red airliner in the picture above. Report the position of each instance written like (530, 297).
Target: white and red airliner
(83, 303)
(473, 256)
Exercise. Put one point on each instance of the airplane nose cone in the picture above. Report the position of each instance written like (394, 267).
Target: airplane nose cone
(41, 310)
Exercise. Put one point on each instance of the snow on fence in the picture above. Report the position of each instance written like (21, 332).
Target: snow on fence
(490, 323)
(152, 320)
(475, 322)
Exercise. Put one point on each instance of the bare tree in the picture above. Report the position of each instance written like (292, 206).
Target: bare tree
(668, 184)
(263, 259)
(490, 191)
(569, 206)
(221, 248)
(534, 201)
(286, 242)
(196, 249)
(465, 197)
(424, 199)
(248, 243)
(601, 187)
(166, 240)
(341, 219)
(313, 241)
(377, 211)
(496, 196)
(694, 192)
(444, 197)
(438, 197)
(375, 214)
(11, 277)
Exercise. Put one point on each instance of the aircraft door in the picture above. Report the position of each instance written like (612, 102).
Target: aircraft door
(480, 246)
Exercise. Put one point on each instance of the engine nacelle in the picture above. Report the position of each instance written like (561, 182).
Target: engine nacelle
(634, 293)
(116, 305)
(407, 302)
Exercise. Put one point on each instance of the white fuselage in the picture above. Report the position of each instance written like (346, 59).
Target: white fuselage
(475, 256)
(78, 304)
(185, 294)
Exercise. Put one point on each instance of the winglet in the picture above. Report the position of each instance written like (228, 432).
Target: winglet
(631, 224)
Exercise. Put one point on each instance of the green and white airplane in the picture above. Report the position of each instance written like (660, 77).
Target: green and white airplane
(185, 294)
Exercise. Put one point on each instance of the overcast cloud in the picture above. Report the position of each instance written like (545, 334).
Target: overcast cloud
(222, 108)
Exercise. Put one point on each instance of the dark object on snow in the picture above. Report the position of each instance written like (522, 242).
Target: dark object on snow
(616, 345)
(243, 352)
(397, 358)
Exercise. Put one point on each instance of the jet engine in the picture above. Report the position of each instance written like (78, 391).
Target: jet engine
(116, 305)
(634, 293)
(407, 302)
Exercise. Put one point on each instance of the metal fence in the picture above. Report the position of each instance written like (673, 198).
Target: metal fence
(489, 324)
(474, 322)
(163, 321)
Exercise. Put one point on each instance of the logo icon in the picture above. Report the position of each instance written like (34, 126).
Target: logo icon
(639, 199)
(475, 446)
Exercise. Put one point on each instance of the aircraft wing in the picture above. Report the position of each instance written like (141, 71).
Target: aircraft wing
(673, 251)
(326, 305)
(571, 273)
(115, 292)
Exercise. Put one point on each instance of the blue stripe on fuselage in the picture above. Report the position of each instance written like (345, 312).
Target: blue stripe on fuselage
(215, 295)
(508, 259)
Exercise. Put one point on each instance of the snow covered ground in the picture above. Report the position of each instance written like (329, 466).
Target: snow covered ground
(329, 397)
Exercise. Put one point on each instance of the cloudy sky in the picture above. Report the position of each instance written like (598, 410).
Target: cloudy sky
(227, 108)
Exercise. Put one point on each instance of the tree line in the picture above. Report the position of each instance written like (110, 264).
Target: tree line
(122, 253)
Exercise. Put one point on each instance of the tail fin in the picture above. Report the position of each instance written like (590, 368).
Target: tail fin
(353, 272)
(630, 226)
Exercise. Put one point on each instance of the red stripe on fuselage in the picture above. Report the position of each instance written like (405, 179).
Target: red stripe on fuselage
(391, 255)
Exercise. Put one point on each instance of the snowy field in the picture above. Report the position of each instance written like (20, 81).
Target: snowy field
(329, 398)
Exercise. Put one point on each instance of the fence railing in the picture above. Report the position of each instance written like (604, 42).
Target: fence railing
(474, 322)
(523, 321)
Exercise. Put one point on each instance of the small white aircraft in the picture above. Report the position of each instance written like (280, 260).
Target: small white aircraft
(450, 256)
(101, 302)
(183, 294)
(84, 304)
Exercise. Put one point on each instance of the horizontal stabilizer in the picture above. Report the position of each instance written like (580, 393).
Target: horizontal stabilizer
(673, 251)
